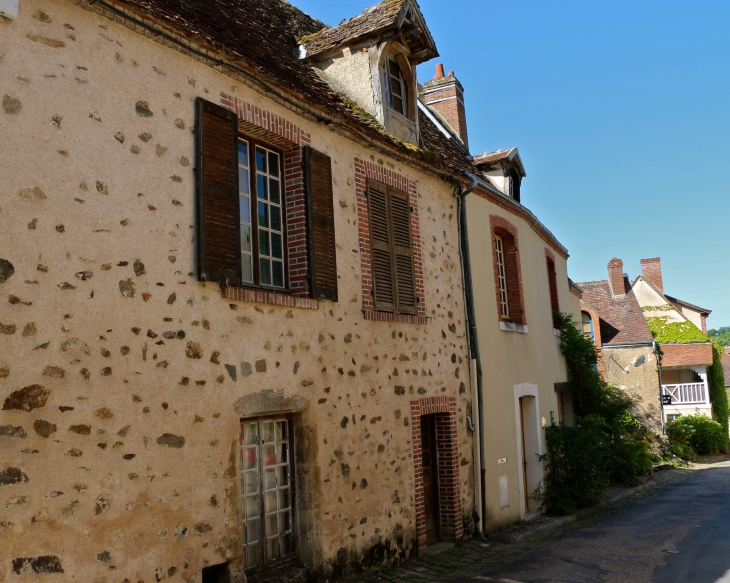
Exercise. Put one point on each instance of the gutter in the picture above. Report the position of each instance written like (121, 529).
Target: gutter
(475, 363)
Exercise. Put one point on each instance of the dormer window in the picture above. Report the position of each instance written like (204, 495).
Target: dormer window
(396, 89)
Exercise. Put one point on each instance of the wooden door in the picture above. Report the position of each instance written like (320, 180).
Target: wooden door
(430, 478)
(524, 457)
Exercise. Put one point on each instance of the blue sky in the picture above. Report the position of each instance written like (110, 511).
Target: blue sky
(621, 113)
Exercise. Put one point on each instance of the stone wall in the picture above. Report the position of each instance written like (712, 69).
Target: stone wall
(123, 379)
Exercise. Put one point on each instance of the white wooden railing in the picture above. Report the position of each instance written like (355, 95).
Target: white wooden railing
(686, 393)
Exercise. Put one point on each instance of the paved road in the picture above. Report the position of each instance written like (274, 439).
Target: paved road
(675, 533)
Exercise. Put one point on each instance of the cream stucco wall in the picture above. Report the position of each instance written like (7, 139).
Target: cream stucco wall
(512, 362)
(82, 199)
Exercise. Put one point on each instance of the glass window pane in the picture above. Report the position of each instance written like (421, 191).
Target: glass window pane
(270, 503)
(250, 433)
(284, 498)
(282, 430)
(261, 186)
(251, 482)
(252, 531)
(268, 431)
(270, 479)
(264, 243)
(285, 521)
(252, 556)
(246, 268)
(245, 238)
(397, 104)
(274, 191)
(269, 455)
(277, 249)
(277, 273)
(249, 458)
(253, 510)
(245, 211)
(273, 164)
(283, 449)
(243, 153)
(286, 547)
(273, 549)
(283, 475)
(265, 271)
(260, 159)
(272, 526)
(243, 180)
(263, 214)
(275, 212)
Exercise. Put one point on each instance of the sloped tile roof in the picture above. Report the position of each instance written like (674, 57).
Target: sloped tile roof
(686, 354)
(372, 20)
(492, 157)
(621, 318)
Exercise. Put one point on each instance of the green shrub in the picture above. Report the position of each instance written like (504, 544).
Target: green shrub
(704, 435)
(716, 381)
(608, 444)
(679, 435)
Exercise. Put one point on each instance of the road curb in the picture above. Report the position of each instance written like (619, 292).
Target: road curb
(525, 532)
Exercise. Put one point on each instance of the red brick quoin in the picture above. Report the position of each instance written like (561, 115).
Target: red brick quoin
(363, 171)
(447, 446)
(280, 133)
(515, 297)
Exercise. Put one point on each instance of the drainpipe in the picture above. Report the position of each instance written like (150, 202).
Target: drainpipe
(661, 390)
(475, 364)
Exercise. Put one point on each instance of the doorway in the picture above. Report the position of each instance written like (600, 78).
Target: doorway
(529, 447)
(430, 478)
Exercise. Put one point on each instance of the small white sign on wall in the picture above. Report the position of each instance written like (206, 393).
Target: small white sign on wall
(9, 8)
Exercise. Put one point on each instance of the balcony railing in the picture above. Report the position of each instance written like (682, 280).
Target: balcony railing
(686, 393)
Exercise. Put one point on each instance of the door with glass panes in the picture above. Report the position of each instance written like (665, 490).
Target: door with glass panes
(268, 491)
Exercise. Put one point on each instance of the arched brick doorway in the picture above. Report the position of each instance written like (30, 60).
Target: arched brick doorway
(438, 413)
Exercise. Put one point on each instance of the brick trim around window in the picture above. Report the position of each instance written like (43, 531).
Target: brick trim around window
(363, 171)
(280, 133)
(502, 227)
(447, 445)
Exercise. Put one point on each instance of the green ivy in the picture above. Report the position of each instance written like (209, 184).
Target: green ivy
(662, 308)
(666, 332)
(716, 381)
(606, 446)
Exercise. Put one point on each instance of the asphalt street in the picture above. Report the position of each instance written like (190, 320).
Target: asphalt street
(678, 532)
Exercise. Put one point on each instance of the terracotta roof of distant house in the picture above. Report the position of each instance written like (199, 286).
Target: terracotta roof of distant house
(374, 21)
(726, 366)
(621, 318)
(690, 306)
(686, 354)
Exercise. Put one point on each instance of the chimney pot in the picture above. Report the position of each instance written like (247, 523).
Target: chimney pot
(651, 269)
(616, 277)
(451, 74)
(439, 71)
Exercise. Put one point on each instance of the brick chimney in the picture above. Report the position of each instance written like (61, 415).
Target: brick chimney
(446, 95)
(651, 269)
(616, 277)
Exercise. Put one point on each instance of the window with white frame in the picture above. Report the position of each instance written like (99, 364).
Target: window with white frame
(268, 497)
(501, 278)
(396, 88)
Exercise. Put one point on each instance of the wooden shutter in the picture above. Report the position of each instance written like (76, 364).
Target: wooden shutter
(219, 241)
(320, 225)
(400, 220)
(381, 251)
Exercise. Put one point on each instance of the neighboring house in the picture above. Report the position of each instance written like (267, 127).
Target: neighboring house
(519, 281)
(680, 329)
(726, 366)
(612, 317)
(236, 334)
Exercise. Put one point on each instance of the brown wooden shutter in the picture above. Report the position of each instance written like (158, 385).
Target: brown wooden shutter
(381, 251)
(320, 225)
(219, 242)
(400, 219)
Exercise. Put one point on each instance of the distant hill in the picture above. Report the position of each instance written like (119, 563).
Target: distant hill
(720, 335)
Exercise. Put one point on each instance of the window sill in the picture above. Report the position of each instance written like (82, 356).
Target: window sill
(230, 292)
(512, 327)
(391, 317)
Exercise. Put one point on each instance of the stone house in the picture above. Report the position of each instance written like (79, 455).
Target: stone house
(680, 328)
(235, 340)
(517, 282)
(612, 316)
